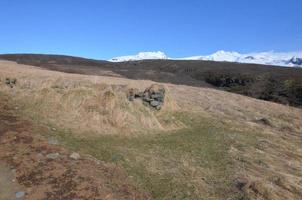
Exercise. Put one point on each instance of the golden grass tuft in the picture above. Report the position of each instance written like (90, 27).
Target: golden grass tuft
(84, 103)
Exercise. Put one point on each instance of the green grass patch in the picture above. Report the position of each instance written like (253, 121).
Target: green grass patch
(191, 163)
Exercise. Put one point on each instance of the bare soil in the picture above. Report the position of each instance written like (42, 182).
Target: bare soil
(60, 178)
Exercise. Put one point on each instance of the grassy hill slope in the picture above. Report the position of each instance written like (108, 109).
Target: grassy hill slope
(271, 83)
(203, 144)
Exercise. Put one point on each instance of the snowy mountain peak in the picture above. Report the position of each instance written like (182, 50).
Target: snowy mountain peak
(141, 56)
(291, 59)
(223, 56)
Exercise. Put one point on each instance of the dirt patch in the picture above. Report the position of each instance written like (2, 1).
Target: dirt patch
(8, 185)
(53, 178)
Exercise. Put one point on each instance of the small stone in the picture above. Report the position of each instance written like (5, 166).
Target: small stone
(147, 99)
(53, 141)
(52, 155)
(53, 129)
(20, 194)
(154, 103)
(75, 156)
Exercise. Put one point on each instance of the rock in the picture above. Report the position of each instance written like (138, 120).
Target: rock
(20, 194)
(147, 99)
(157, 96)
(154, 103)
(53, 155)
(53, 129)
(153, 96)
(53, 141)
(75, 156)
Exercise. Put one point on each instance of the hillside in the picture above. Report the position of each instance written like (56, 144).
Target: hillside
(203, 144)
(278, 84)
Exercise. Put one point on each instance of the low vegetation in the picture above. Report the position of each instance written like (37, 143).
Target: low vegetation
(191, 163)
(266, 87)
(205, 143)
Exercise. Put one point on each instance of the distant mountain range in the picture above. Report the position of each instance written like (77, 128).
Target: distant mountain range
(290, 59)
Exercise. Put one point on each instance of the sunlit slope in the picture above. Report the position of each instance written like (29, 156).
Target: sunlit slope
(204, 143)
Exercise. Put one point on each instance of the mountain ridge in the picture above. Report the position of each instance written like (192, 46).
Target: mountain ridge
(289, 59)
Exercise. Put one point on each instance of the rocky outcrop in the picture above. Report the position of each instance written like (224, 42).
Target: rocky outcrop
(153, 96)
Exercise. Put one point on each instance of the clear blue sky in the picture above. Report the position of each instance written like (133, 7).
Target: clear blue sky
(106, 28)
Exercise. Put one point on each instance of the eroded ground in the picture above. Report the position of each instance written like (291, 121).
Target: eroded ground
(47, 171)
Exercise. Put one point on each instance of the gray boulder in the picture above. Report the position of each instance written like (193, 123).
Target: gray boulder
(153, 96)
(154, 103)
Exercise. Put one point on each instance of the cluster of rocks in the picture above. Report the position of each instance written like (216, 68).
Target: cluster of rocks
(10, 82)
(153, 96)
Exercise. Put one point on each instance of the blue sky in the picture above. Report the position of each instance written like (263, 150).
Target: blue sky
(107, 28)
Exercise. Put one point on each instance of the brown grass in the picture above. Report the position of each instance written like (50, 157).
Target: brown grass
(267, 155)
(83, 103)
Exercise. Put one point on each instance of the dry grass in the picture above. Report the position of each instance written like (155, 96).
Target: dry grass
(83, 103)
(267, 156)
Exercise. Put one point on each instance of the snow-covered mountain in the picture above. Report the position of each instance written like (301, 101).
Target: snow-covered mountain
(289, 59)
(266, 58)
(158, 55)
